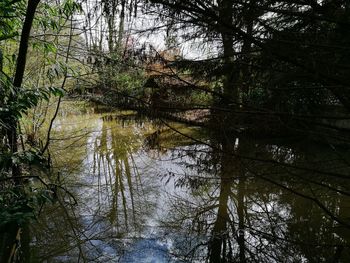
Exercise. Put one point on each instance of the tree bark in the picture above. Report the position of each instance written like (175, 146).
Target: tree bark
(18, 79)
(23, 46)
(226, 16)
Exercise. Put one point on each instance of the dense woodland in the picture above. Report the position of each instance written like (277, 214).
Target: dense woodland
(237, 69)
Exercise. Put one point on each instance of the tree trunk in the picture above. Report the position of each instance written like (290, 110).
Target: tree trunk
(248, 21)
(121, 26)
(18, 79)
(226, 18)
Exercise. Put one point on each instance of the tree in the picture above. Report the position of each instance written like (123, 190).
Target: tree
(12, 135)
(17, 100)
(283, 60)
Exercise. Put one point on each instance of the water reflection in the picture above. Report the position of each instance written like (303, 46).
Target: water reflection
(147, 194)
(263, 209)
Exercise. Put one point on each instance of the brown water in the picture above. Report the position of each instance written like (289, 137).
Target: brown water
(141, 192)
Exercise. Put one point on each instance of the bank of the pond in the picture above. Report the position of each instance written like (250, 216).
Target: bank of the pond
(332, 125)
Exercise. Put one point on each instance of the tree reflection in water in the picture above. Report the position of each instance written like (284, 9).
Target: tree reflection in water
(270, 203)
(101, 169)
(145, 194)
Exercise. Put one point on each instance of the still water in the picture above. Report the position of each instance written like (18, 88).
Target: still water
(143, 191)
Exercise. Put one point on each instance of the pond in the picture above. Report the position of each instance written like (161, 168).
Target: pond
(141, 190)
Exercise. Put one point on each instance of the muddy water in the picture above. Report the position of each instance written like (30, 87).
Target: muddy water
(137, 190)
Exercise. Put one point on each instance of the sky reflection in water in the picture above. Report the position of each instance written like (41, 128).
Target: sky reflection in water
(146, 195)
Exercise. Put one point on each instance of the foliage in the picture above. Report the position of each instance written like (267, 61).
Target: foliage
(26, 100)
(19, 206)
(10, 18)
(20, 198)
(285, 58)
(128, 82)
